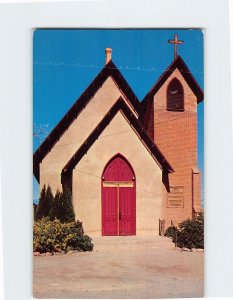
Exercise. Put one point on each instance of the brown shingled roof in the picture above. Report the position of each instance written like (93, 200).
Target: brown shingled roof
(109, 70)
(179, 64)
(137, 126)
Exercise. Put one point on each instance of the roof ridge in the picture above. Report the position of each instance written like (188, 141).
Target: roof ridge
(108, 70)
(179, 63)
(119, 105)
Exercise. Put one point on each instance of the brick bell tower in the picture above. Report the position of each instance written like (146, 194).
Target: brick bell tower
(170, 118)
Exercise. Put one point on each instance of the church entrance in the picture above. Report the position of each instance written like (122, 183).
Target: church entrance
(118, 198)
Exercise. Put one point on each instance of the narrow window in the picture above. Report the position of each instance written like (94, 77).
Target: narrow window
(175, 96)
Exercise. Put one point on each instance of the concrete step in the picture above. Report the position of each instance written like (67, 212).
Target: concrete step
(130, 241)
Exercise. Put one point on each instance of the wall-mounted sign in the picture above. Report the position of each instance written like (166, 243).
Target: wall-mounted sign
(176, 197)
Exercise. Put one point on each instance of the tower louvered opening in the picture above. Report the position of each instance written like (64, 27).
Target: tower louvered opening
(175, 96)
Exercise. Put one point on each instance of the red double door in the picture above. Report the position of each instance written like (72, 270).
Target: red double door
(118, 198)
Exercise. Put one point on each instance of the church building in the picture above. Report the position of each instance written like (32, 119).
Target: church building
(128, 163)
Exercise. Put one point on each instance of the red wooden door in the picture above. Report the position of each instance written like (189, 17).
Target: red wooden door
(109, 211)
(118, 198)
(127, 211)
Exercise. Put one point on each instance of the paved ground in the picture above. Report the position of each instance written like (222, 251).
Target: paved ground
(121, 267)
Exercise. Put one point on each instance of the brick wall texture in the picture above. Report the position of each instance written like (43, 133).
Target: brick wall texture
(175, 133)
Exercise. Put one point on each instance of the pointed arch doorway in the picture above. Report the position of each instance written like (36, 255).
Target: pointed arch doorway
(118, 198)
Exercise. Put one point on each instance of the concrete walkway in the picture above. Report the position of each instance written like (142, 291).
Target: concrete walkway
(121, 267)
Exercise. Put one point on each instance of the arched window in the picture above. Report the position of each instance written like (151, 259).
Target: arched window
(118, 169)
(175, 96)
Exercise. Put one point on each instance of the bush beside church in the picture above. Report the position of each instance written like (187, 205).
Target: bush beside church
(55, 228)
(189, 234)
(55, 236)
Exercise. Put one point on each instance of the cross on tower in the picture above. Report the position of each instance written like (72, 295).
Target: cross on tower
(175, 42)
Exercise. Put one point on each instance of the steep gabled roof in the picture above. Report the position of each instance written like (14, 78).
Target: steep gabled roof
(179, 64)
(109, 70)
(137, 126)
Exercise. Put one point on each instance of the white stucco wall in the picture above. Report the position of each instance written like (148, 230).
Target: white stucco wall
(118, 137)
(79, 130)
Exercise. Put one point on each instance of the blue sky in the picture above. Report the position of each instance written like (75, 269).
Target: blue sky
(66, 61)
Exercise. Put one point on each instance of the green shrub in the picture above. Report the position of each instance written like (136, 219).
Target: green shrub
(170, 231)
(59, 207)
(56, 207)
(191, 233)
(66, 206)
(55, 236)
(45, 202)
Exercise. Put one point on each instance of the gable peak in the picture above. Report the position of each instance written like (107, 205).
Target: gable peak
(177, 63)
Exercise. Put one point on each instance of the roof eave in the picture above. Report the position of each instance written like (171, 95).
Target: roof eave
(109, 70)
(119, 105)
(179, 64)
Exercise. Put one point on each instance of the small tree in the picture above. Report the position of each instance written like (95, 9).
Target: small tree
(45, 202)
(56, 208)
(66, 208)
(34, 211)
(60, 206)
